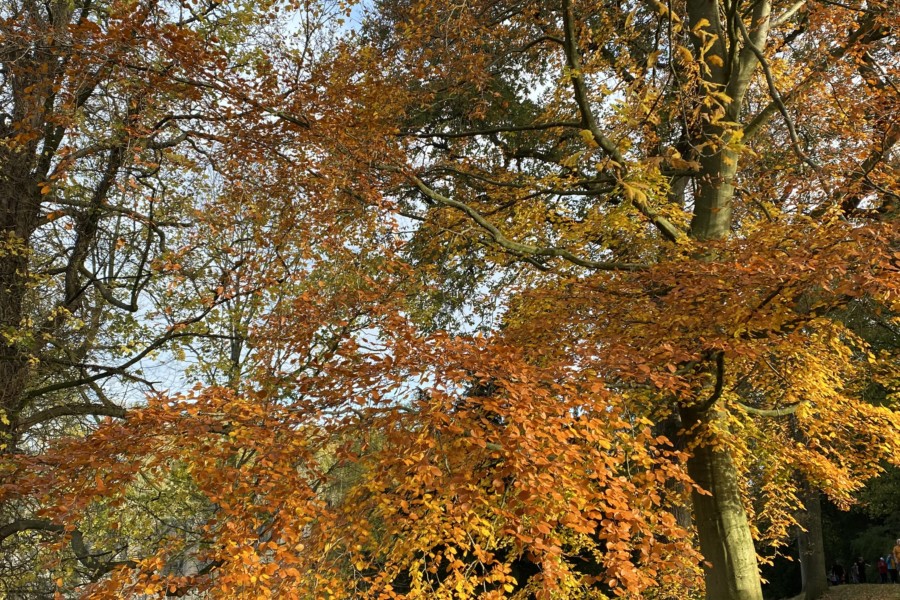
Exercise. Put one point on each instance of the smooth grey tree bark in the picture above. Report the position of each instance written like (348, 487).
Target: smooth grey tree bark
(726, 542)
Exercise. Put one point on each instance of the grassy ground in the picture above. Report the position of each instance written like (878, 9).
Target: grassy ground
(869, 591)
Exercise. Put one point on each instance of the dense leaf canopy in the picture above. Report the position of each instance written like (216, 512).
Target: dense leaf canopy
(419, 299)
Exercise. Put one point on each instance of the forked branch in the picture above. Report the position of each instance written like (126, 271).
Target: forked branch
(776, 96)
(589, 121)
(90, 561)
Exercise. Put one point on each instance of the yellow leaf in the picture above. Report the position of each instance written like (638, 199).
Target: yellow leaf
(571, 161)
(588, 136)
(700, 25)
(633, 192)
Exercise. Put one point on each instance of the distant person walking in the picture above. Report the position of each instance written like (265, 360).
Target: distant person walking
(896, 556)
(861, 569)
(837, 574)
(892, 567)
(882, 570)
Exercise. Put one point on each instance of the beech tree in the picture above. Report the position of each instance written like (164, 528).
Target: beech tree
(665, 168)
(648, 212)
(116, 118)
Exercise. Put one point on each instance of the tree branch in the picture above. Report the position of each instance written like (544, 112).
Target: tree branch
(776, 96)
(790, 12)
(770, 412)
(719, 386)
(519, 249)
(573, 61)
(76, 540)
(71, 410)
(492, 130)
(868, 30)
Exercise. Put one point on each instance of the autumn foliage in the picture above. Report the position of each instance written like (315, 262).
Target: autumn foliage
(492, 300)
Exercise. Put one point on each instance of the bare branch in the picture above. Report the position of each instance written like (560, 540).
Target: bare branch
(573, 61)
(492, 130)
(72, 410)
(790, 12)
(90, 561)
(776, 96)
(519, 249)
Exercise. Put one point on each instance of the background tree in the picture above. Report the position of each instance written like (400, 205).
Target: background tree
(119, 121)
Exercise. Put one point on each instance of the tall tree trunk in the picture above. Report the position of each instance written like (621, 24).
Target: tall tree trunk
(673, 429)
(722, 526)
(19, 210)
(28, 141)
(712, 212)
(812, 546)
(732, 572)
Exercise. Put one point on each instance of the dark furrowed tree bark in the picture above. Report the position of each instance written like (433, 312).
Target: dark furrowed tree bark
(20, 200)
(812, 546)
